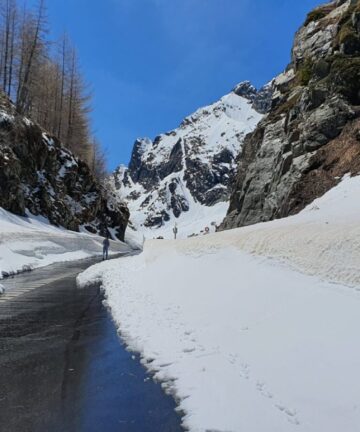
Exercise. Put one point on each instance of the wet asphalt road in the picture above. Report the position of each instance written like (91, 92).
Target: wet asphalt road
(63, 367)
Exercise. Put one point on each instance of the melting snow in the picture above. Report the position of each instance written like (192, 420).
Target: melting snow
(246, 328)
(30, 242)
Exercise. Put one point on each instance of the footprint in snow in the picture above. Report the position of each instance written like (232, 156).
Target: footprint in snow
(233, 358)
(262, 389)
(289, 412)
(245, 371)
(188, 350)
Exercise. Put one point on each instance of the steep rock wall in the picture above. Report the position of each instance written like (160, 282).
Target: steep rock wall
(37, 174)
(310, 137)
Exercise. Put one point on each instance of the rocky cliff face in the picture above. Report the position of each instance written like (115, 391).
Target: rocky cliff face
(193, 165)
(311, 136)
(37, 174)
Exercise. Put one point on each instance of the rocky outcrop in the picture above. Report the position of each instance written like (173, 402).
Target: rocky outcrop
(193, 165)
(38, 175)
(261, 99)
(310, 137)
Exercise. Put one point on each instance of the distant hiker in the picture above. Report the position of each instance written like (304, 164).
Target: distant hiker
(106, 245)
(175, 231)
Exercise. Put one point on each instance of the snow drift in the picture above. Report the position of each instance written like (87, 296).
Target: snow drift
(30, 242)
(242, 340)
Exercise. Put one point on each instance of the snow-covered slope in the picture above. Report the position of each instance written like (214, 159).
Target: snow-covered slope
(182, 173)
(244, 342)
(30, 242)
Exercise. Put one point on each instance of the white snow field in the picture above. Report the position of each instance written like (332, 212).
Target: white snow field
(254, 329)
(30, 242)
(189, 223)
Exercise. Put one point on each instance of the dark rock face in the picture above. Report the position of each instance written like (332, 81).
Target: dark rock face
(209, 185)
(308, 139)
(138, 171)
(246, 90)
(39, 175)
(261, 99)
(175, 162)
(11, 194)
(193, 164)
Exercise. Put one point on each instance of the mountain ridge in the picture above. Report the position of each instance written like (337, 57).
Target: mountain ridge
(192, 165)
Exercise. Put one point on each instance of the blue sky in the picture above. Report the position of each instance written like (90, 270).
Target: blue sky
(152, 62)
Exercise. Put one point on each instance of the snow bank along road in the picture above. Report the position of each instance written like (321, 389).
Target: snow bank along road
(31, 242)
(254, 329)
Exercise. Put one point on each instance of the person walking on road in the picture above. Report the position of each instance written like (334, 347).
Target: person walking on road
(175, 230)
(106, 245)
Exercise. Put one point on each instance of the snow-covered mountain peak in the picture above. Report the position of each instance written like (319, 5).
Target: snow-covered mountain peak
(246, 90)
(144, 144)
(190, 168)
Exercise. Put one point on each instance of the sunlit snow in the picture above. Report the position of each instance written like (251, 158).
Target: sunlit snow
(253, 329)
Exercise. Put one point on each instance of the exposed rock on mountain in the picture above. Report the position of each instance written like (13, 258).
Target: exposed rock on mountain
(310, 137)
(261, 99)
(37, 174)
(193, 165)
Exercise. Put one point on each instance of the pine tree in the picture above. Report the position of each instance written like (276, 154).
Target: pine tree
(46, 84)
